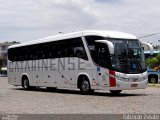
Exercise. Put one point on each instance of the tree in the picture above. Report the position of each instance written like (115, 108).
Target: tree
(153, 62)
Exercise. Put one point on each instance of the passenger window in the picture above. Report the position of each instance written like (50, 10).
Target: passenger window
(61, 49)
(77, 48)
(56, 49)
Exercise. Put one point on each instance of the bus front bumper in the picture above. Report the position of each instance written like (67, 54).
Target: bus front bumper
(121, 85)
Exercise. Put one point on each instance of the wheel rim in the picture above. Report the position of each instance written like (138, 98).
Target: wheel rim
(153, 80)
(25, 84)
(85, 86)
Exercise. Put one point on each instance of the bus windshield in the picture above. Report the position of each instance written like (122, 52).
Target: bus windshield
(128, 56)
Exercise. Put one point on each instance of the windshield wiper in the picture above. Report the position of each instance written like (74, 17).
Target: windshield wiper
(139, 65)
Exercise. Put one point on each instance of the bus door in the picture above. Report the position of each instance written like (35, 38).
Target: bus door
(103, 61)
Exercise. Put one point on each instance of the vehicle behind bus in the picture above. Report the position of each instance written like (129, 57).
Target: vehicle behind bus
(154, 72)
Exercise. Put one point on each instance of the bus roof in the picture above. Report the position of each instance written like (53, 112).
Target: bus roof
(110, 34)
(154, 51)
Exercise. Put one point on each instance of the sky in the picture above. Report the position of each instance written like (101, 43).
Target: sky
(26, 20)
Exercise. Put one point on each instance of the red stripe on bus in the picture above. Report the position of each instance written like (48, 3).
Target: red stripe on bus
(112, 80)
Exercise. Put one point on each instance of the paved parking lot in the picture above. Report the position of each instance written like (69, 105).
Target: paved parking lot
(16, 100)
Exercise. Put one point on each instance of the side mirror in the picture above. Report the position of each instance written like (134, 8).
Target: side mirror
(149, 46)
(109, 43)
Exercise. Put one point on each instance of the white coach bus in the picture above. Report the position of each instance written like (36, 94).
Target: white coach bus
(88, 60)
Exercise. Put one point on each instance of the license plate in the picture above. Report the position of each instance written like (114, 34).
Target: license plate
(134, 85)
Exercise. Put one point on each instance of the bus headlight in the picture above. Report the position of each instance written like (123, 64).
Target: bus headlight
(122, 78)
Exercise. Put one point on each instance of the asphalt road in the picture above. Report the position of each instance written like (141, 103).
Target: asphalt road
(15, 100)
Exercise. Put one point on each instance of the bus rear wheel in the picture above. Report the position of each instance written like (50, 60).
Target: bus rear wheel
(115, 92)
(25, 83)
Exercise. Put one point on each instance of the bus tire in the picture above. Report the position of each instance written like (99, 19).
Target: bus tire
(85, 86)
(25, 83)
(153, 79)
(115, 92)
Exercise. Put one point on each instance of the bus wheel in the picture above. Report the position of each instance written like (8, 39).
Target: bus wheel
(153, 79)
(85, 86)
(26, 84)
(115, 92)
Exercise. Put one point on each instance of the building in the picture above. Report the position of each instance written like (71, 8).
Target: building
(3, 56)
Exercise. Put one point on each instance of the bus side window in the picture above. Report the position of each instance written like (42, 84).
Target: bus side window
(20, 54)
(77, 48)
(12, 54)
(78, 53)
(49, 50)
(99, 52)
(61, 49)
